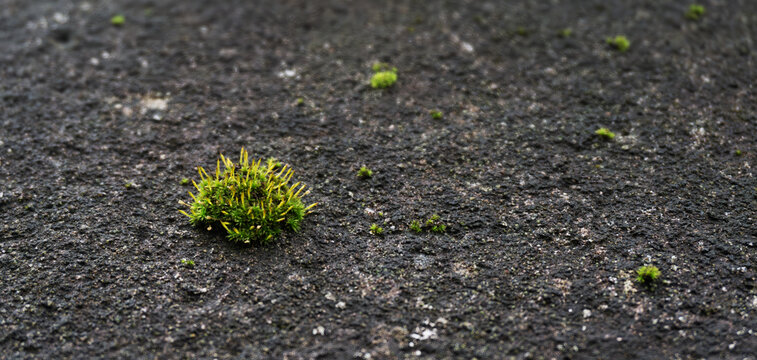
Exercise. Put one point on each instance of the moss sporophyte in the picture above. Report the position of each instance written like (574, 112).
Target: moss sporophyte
(251, 200)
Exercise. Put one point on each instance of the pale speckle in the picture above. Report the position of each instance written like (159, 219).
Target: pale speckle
(319, 330)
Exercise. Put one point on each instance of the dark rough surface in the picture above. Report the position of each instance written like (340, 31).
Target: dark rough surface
(547, 222)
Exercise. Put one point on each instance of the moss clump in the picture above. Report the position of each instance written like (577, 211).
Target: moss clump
(118, 20)
(695, 12)
(384, 77)
(364, 173)
(376, 230)
(252, 200)
(647, 275)
(605, 133)
(436, 114)
(185, 181)
(620, 43)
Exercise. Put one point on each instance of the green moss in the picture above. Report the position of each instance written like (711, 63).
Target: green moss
(118, 20)
(436, 114)
(188, 263)
(605, 133)
(433, 224)
(383, 79)
(620, 43)
(646, 275)
(185, 181)
(129, 185)
(300, 101)
(695, 12)
(738, 153)
(564, 33)
(415, 226)
(252, 201)
(379, 66)
(364, 173)
(376, 230)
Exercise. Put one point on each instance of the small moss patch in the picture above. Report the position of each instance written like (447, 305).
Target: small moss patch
(647, 275)
(251, 200)
(118, 20)
(605, 133)
(364, 173)
(694, 12)
(620, 43)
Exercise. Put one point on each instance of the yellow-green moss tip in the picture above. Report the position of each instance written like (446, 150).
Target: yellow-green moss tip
(695, 12)
(118, 20)
(605, 133)
(364, 173)
(436, 114)
(376, 230)
(252, 200)
(620, 43)
(383, 79)
(647, 274)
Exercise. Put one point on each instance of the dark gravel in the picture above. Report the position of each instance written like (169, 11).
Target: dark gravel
(546, 222)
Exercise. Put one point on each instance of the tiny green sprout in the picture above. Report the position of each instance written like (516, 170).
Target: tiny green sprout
(252, 200)
(383, 79)
(300, 101)
(128, 185)
(436, 114)
(118, 20)
(188, 263)
(185, 181)
(695, 12)
(565, 33)
(605, 133)
(415, 226)
(364, 173)
(620, 43)
(648, 274)
(738, 152)
(433, 224)
(376, 230)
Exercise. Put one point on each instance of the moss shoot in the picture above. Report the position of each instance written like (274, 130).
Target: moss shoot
(251, 200)
(384, 77)
(646, 275)
(620, 43)
(118, 20)
(376, 230)
(364, 173)
(605, 133)
(695, 12)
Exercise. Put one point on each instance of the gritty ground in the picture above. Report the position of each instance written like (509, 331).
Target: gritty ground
(546, 221)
